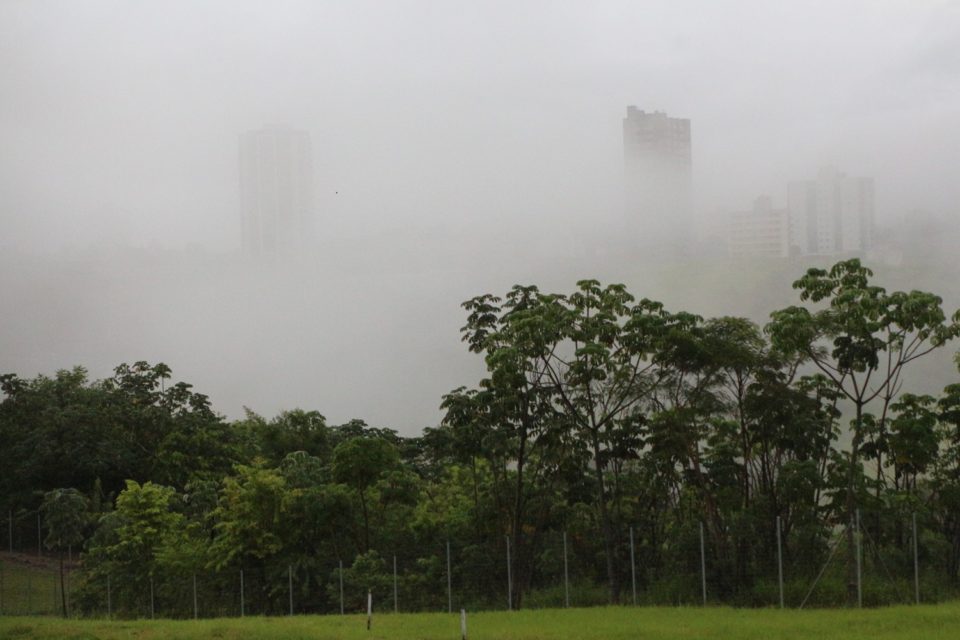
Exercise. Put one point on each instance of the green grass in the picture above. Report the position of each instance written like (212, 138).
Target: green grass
(29, 585)
(602, 623)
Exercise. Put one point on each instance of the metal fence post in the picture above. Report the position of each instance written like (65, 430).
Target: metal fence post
(566, 574)
(859, 562)
(779, 562)
(633, 568)
(341, 587)
(916, 562)
(395, 600)
(703, 566)
(290, 586)
(109, 599)
(509, 579)
(463, 624)
(152, 610)
(196, 611)
(449, 582)
(242, 602)
(369, 608)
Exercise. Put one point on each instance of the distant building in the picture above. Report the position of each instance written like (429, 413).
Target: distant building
(762, 231)
(831, 215)
(658, 179)
(276, 190)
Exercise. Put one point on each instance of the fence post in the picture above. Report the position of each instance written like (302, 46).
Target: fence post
(779, 562)
(152, 611)
(703, 566)
(509, 579)
(109, 600)
(242, 602)
(566, 574)
(29, 592)
(859, 562)
(463, 624)
(196, 611)
(290, 585)
(449, 582)
(395, 605)
(633, 569)
(916, 562)
(369, 608)
(341, 587)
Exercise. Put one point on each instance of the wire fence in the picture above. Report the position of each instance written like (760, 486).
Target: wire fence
(552, 569)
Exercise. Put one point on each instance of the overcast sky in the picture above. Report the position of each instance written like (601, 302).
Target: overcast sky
(440, 124)
(120, 119)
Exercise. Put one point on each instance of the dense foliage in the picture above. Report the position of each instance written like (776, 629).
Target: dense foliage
(601, 419)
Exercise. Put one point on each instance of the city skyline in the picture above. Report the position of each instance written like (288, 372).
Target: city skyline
(453, 153)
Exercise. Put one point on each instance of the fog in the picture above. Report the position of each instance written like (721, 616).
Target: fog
(457, 148)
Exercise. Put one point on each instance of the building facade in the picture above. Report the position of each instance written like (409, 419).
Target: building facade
(658, 178)
(762, 231)
(830, 215)
(276, 190)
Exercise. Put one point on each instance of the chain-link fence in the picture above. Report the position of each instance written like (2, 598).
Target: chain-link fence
(870, 562)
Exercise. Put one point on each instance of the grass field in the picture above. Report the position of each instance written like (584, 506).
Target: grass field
(601, 623)
(29, 584)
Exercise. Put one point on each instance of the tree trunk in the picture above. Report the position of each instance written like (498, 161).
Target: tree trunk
(852, 509)
(366, 522)
(517, 532)
(613, 577)
(63, 591)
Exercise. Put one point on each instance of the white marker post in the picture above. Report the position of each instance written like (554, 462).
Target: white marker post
(463, 624)
(369, 608)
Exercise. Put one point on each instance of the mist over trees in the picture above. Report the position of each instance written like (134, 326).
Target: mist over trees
(605, 418)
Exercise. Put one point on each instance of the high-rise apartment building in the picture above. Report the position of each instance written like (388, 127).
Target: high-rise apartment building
(763, 231)
(830, 215)
(276, 190)
(658, 179)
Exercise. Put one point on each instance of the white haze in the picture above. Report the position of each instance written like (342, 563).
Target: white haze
(459, 148)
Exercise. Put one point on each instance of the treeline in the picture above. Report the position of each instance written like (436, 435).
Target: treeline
(601, 417)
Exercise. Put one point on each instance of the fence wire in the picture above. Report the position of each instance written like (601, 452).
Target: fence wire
(875, 563)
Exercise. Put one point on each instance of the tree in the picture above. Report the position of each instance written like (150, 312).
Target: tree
(359, 463)
(511, 417)
(65, 514)
(862, 341)
(295, 430)
(574, 371)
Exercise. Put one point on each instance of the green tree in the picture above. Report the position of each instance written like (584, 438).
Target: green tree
(128, 543)
(65, 514)
(359, 463)
(861, 340)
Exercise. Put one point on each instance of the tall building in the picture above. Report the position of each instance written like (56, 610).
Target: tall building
(762, 231)
(830, 215)
(658, 179)
(276, 190)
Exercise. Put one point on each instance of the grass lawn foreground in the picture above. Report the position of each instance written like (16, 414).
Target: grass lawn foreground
(601, 623)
